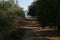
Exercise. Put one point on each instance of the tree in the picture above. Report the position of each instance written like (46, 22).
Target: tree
(10, 18)
(47, 12)
(10, 13)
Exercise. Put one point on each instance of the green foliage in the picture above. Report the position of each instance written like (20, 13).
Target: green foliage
(10, 18)
(10, 12)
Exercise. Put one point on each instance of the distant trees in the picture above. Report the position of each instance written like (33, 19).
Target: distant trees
(47, 12)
